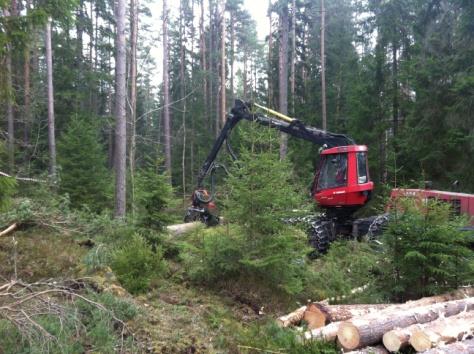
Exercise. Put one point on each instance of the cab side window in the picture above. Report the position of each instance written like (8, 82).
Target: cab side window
(362, 176)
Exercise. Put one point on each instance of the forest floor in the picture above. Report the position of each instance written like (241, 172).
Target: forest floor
(175, 316)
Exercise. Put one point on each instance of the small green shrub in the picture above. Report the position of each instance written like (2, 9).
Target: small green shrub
(346, 266)
(425, 251)
(7, 189)
(136, 264)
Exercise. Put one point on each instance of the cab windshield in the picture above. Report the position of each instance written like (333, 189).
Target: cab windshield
(333, 172)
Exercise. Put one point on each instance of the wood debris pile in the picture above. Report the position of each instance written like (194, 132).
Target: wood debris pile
(438, 324)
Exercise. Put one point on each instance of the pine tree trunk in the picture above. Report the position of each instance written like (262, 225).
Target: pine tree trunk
(210, 71)
(183, 95)
(323, 65)
(27, 91)
(202, 38)
(166, 110)
(395, 88)
(223, 64)
(133, 95)
(232, 53)
(10, 117)
(293, 56)
(51, 125)
(270, 49)
(283, 75)
(120, 113)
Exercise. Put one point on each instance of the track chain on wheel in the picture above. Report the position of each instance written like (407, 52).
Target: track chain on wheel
(320, 235)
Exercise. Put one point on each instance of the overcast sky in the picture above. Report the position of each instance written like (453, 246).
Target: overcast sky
(256, 8)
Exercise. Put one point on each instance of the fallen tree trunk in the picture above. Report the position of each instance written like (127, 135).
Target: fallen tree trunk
(9, 229)
(327, 333)
(292, 318)
(363, 332)
(445, 330)
(464, 347)
(318, 314)
(179, 229)
(378, 349)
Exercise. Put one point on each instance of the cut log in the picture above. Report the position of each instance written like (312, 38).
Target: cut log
(327, 333)
(363, 332)
(314, 317)
(397, 339)
(319, 314)
(443, 331)
(461, 293)
(292, 318)
(464, 347)
(9, 229)
(379, 349)
(179, 229)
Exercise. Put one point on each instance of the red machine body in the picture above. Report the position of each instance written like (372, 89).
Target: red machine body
(343, 178)
(462, 203)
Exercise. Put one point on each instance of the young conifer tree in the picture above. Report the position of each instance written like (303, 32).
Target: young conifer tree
(261, 195)
(84, 175)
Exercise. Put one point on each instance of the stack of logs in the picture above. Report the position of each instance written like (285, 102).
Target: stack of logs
(438, 324)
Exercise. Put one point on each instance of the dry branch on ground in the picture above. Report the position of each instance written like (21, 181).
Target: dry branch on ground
(23, 304)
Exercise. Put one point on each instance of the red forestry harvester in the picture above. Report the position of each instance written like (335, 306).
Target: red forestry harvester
(340, 187)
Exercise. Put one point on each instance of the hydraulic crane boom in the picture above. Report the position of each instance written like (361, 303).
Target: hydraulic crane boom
(281, 122)
(341, 184)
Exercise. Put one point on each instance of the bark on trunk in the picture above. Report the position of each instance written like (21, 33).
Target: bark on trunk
(133, 96)
(270, 48)
(182, 77)
(223, 74)
(283, 75)
(27, 85)
(362, 332)
(464, 347)
(327, 333)
(323, 65)
(319, 313)
(379, 349)
(443, 331)
(166, 110)
(120, 115)
(51, 131)
(293, 56)
(395, 88)
(231, 57)
(10, 118)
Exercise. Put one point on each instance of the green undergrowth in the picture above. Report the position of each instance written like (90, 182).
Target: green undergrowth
(83, 327)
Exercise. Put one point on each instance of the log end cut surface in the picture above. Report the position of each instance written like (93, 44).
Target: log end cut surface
(392, 342)
(420, 341)
(348, 336)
